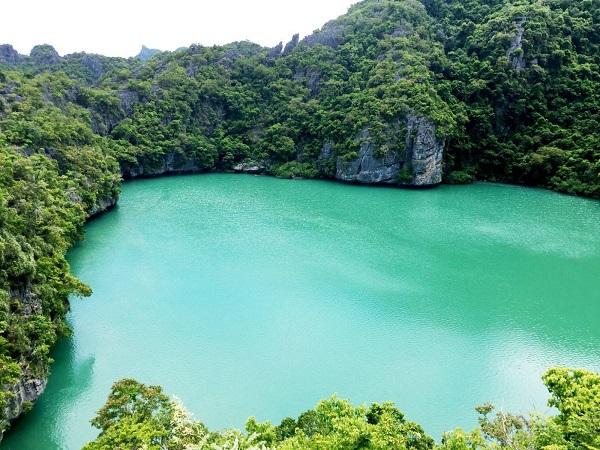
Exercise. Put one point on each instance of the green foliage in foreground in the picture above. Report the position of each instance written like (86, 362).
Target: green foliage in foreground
(137, 416)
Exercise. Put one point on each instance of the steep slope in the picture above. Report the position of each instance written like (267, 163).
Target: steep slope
(54, 174)
(356, 101)
(500, 91)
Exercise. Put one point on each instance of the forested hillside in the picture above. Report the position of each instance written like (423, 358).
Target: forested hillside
(55, 172)
(396, 92)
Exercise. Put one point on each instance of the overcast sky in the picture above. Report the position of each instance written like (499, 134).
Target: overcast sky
(120, 27)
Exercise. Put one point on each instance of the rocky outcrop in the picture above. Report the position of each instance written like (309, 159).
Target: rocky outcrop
(415, 162)
(146, 53)
(331, 35)
(44, 55)
(275, 52)
(23, 394)
(251, 167)
(291, 45)
(369, 168)
(425, 150)
(103, 204)
(228, 58)
(9, 55)
(26, 391)
(515, 52)
(128, 99)
(171, 163)
(29, 303)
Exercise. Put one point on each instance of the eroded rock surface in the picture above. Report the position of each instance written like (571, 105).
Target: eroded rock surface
(415, 162)
(425, 151)
(250, 167)
(168, 164)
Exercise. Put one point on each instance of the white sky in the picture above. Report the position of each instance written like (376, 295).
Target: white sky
(120, 27)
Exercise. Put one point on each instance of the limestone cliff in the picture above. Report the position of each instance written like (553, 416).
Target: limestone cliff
(9, 55)
(425, 151)
(44, 55)
(171, 163)
(415, 162)
(250, 167)
(30, 386)
(369, 168)
(23, 393)
(103, 204)
(515, 52)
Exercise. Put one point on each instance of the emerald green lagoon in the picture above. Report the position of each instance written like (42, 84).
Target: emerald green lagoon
(248, 295)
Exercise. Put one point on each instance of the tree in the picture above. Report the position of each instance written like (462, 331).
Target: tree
(576, 395)
(139, 416)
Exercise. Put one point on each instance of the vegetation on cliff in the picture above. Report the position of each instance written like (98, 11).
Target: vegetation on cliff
(54, 171)
(512, 88)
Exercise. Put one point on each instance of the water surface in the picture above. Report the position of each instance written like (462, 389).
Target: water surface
(255, 296)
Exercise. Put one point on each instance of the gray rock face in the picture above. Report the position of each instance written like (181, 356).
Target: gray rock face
(44, 54)
(330, 35)
(26, 390)
(368, 168)
(416, 163)
(169, 164)
(291, 45)
(9, 55)
(31, 304)
(102, 204)
(93, 64)
(227, 59)
(312, 79)
(515, 52)
(146, 53)
(250, 167)
(425, 150)
(192, 68)
(275, 52)
(128, 99)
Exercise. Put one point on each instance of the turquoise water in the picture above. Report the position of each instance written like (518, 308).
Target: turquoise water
(249, 295)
